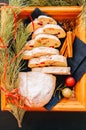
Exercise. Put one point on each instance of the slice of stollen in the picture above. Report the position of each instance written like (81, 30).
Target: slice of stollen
(43, 19)
(53, 70)
(48, 60)
(39, 51)
(50, 29)
(40, 22)
(45, 40)
(32, 26)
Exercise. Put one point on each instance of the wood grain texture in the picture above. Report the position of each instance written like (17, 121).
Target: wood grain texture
(58, 12)
(80, 29)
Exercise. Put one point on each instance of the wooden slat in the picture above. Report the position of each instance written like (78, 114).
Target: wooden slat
(57, 12)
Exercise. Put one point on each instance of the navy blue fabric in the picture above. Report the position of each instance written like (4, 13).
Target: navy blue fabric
(80, 70)
(78, 62)
(54, 100)
(57, 96)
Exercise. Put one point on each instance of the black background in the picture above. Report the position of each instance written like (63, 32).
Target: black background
(44, 120)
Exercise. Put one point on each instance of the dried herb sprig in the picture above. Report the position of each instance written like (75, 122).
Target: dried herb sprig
(66, 2)
(54, 2)
(46, 2)
(9, 68)
(18, 3)
(38, 3)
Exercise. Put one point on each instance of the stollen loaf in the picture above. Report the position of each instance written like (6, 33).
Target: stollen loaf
(39, 51)
(48, 60)
(36, 87)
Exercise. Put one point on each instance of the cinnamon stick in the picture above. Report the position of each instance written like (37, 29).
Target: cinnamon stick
(66, 53)
(70, 43)
(63, 49)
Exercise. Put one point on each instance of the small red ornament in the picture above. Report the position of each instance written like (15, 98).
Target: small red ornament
(70, 81)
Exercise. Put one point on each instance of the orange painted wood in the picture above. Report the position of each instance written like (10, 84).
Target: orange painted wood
(80, 90)
(58, 12)
(81, 27)
(78, 102)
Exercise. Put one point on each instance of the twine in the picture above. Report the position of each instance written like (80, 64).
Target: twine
(13, 96)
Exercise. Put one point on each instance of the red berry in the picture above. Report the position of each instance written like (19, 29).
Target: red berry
(70, 81)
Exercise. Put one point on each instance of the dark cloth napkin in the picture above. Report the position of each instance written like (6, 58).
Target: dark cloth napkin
(54, 100)
(77, 63)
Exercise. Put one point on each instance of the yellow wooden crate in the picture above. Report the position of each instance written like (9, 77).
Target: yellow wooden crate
(78, 102)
